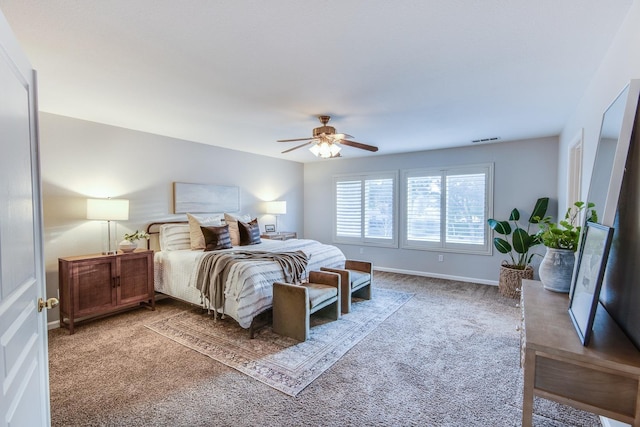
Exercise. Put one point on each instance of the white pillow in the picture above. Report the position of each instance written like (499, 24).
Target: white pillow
(197, 238)
(234, 231)
(174, 237)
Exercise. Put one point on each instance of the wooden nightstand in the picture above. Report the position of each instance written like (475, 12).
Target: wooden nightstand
(94, 285)
(281, 235)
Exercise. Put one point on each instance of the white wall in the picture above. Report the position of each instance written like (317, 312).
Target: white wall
(621, 64)
(524, 171)
(81, 160)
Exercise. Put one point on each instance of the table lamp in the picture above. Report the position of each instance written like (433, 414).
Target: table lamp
(277, 207)
(108, 210)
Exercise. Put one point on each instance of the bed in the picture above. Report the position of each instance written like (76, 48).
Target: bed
(248, 284)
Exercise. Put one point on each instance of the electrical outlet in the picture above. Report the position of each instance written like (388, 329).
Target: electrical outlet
(440, 258)
(361, 251)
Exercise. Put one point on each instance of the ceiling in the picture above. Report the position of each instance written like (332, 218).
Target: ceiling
(405, 75)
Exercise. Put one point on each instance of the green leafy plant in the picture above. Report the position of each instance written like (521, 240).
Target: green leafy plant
(518, 241)
(565, 234)
(137, 235)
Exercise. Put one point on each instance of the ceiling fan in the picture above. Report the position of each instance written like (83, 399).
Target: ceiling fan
(326, 142)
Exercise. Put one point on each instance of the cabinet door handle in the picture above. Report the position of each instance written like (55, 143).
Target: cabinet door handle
(113, 279)
(118, 281)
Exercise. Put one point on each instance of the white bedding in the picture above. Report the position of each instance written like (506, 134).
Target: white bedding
(248, 290)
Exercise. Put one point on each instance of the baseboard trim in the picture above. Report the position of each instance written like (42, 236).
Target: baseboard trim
(438, 276)
(53, 325)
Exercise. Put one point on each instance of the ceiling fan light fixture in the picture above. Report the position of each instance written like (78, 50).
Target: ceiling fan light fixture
(315, 150)
(326, 142)
(325, 149)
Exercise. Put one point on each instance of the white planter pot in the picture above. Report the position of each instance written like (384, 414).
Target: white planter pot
(127, 246)
(556, 269)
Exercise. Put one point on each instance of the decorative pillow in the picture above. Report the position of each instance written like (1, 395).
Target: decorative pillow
(195, 222)
(174, 237)
(232, 221)
(249, 232)
(216, 237)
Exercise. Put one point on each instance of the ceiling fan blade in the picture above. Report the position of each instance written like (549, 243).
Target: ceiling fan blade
(299, 146)
(359, 145)
(296, 139)
(341, 136)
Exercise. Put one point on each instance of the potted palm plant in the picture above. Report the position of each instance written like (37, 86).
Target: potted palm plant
(517, 241)
(561, 240)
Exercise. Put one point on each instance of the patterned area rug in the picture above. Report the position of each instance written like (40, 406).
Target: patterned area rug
(280, 362)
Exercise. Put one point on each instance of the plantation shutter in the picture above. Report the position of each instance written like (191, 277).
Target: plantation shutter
(379, 198)
(447, 208)
(423, 208)
(465, 213)
(349, 208)
(365, 209)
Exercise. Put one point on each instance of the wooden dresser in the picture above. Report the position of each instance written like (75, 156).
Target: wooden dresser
(602, 378)
(95, 285)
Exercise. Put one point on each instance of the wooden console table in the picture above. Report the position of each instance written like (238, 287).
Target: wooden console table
(602, 378)
(95, 285)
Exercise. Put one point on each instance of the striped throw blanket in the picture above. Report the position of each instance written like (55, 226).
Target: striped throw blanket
(214, 270)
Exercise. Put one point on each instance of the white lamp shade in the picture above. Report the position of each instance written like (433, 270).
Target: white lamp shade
(108, 209)
(277, 207)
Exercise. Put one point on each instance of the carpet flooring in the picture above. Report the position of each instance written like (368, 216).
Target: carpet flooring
(448, 357)
(281, 362)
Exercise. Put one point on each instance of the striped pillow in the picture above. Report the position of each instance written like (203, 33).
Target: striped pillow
(174, 237)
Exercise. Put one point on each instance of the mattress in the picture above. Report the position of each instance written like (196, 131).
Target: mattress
(248, 289)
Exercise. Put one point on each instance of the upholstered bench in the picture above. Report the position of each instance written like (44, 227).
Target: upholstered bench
(356, 280)
(294, 304)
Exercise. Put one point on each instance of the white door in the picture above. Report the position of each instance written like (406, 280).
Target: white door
(24, 375)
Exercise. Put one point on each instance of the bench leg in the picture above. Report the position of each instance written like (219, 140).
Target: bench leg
(291, 311)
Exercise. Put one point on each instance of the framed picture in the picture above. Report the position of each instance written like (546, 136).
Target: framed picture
(205, 198)
(270, 228)
(587, 278)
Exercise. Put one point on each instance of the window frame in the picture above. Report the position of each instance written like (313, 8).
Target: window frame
(442, 245)
(362, 240)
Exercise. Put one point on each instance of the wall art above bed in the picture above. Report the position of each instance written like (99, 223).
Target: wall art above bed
(201, 198)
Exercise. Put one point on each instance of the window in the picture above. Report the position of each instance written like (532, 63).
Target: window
(365, 209)
(447, 209)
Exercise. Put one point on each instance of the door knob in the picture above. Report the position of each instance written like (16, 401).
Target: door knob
(48, 304)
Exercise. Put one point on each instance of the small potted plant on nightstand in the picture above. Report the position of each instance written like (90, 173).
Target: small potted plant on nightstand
(130, 242)
(561, 240)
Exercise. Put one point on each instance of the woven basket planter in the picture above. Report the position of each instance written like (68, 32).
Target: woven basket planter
(511, 280)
